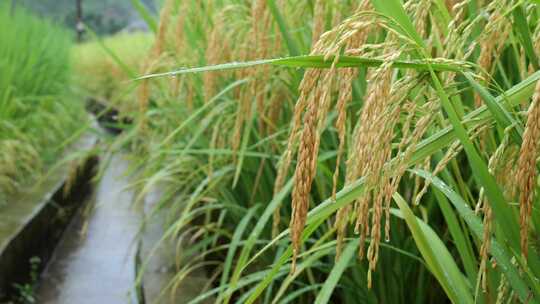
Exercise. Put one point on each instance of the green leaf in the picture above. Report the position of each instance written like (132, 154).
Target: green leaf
(459, 236)
(394, 9)
(294, 50)
(443, 10)
(512, 97)
(523, 32)
(242, 260)
(245, 140)
(501, 115)
(317, 61)
(501, 254)
(503, 213)
(279, 263)
(437, 256)
(349, 193)
(337, 271)
(235, 243)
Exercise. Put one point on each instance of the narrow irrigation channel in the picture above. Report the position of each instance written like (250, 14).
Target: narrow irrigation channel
(86, 241)
(95, 261)
(32, 222)
(109, 240)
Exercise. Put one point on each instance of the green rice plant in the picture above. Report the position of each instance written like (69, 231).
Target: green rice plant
(38, 72)
(403, 133)
(37, 112)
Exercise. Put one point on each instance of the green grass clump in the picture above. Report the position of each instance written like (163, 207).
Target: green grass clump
(421, 105)
(36, 111)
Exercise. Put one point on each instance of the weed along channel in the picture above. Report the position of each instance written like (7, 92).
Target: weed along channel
(269, 151)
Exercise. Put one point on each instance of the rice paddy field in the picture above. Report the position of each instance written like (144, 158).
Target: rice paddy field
(38, 112)
(311, 151)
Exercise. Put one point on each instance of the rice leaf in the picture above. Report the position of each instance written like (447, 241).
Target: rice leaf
(315, 61)
(337, 271)
(436, 254)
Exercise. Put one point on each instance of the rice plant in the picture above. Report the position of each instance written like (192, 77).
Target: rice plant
(37, 110)
(345, 151)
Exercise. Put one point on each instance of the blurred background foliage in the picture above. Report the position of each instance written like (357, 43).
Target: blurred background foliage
(105, 17)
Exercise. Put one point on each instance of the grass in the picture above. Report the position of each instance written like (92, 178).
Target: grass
(37, 111)
(423, 107)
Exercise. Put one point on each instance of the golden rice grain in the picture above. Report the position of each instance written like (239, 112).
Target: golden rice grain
(303, 177)
(493, 164)
(318, 21)
(494, 35)
(526, 174)
(164, 20)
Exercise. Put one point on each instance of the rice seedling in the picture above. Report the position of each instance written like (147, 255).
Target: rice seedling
(291, 137)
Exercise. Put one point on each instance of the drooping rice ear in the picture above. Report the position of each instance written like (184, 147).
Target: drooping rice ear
(303, 177)
(526, 174)
(276, 106)
(163, 27)
(317, 87)
(343, 99)
(502, 289)
(152, 61)
(212, 55)
(367, 142)
(179, 32)
(421, 17)
(336, 14)
(485, 247)
(308, 84)
(347, 76)
(454, 149)
(318, 107)
(494, 162)
(450, 4)
(143, 94)
(261, 20)
(179, 42)
(496, 31)
(318, 21)
(383, 185)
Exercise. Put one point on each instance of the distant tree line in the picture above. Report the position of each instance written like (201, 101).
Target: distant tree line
(104, 16)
